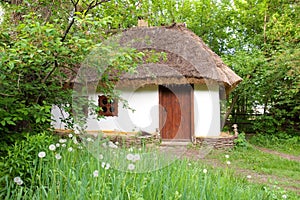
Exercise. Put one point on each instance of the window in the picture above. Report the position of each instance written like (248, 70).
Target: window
(108, 106)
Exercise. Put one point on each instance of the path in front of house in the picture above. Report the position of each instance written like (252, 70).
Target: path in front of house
(282, 155)
(268, 179)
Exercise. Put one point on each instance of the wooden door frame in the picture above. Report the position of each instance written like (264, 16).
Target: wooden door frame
(192, 112)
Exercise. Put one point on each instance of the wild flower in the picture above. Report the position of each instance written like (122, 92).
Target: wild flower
(70, 135)
(75, 140)
(100, 156)
(136, 157)
(204, 171)
(96, 173)
(42, 154)
(52, 147)
(105, 165)
(131, 167)
(58, 156)
(226, 156)
(228, 162)
(249, 176)
(70, 149)
(284, 196)
(112, 145)
(129, 156)
(62, 140)
(57, 145)
(18, 180)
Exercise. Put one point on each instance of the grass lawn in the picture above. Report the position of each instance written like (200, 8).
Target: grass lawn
(44, 167)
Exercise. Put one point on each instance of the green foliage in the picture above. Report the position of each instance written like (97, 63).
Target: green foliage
(70, 178)
(280, 142)
(241, 141)
(21, 158)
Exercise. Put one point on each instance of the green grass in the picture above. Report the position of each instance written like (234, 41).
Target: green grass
(285, 172)
(160, 177)
(281, 143)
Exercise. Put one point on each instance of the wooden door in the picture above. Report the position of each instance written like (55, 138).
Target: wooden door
(176, 112)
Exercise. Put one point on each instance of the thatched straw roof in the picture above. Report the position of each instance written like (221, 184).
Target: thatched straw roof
(189, 59)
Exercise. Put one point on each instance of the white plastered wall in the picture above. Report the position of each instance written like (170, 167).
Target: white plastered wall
(207, 110)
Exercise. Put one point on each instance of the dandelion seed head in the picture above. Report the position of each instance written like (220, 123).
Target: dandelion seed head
(70, 135)
(89, 139)
(103, 164)
(96, 173)
(226, 156)
(136, 157)
(284, 196)
(52, 147)
(249, 176)
(63, 145)
(131, 167)
(57, 145)
(58, 156)
(228, 162)
(129, 156)
(100, 156)
(17, 179)
(70, 149)
(107, 166)
(42, 154)
(62, 140)
(204, 171)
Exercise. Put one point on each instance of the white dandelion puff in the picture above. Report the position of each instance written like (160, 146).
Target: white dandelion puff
(58, 156)
(131, 166)
(96, 173)
(204, 171)
(136, 157)
(129, 156)
(42, 154)
(226, 156)
(57, 145)
(70, 135)
(62, 140)
(100, 156)
(70, 149)
(228, 162)
(52, 147)
(249, 176)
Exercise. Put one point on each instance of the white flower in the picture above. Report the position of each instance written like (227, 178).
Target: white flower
(42, 154)
(63, 145)
(131, 166)
(100, 156)
(284, 196)
(89, 139)
(57, 145)
(52, 147)
(17, 179)
(96, 173)
(112, 145)
(62, 140)
(130, 156)
(228, 162)
(70, 135)
(70, 149)
(136, 157)
(249, 176)
(204, 171)
(226, 156)
(75, 140)
(58, 156)
(107, 166)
